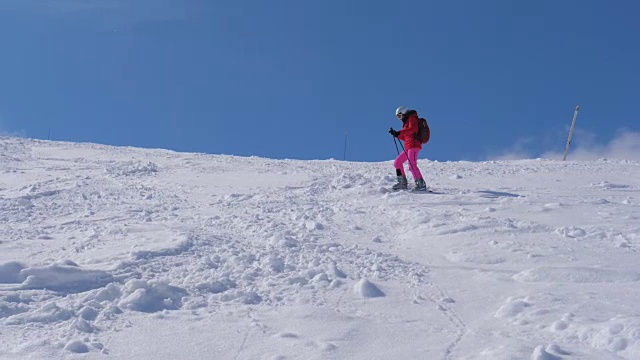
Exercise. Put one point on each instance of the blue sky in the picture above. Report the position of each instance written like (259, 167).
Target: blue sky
(286, 79)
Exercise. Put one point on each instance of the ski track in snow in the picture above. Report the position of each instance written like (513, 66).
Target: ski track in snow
(508, 260)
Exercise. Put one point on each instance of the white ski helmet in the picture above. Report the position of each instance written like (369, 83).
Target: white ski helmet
(401, 110)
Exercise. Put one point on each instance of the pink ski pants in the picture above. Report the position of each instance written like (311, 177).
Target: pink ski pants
(413, 162)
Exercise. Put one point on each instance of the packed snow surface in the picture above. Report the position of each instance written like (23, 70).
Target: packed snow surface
(125, 253)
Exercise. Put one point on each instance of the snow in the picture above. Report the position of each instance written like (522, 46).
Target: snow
(121, 253)
(366, 289)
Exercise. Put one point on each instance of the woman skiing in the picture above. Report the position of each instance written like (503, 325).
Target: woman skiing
(412, 147)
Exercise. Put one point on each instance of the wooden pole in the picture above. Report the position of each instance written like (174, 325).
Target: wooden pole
(573, 125)
(344, 154)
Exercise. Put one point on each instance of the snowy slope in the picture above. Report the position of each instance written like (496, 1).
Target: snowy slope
(124, 253)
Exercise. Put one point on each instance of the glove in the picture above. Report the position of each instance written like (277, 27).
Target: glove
(394, 133)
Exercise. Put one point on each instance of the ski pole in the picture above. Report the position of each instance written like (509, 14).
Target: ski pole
(396, 143)
(413, 172)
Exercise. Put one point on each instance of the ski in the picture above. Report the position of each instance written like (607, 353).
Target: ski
(410, 190)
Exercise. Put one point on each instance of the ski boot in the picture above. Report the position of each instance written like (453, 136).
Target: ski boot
(402, 183)
(420, 186)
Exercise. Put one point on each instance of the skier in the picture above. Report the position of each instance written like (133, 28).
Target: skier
(412, 147)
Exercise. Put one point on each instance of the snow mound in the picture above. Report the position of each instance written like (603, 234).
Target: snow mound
(367, 289)
(151, 296)
(618, 335)
(77, 346)
(512, 308)
(571, 232)
(48, 314)
(10, 272)
(9, 308)
(63, 278)
(541, 354)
